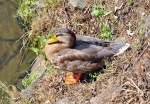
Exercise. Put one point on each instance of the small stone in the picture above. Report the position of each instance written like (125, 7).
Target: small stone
(81, 4)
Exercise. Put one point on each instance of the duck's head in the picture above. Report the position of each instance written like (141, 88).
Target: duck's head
(61, 39)
(64, 37)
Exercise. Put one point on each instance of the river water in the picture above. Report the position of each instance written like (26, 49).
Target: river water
(10, 59)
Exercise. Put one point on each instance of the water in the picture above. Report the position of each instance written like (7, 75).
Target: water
(10, 67)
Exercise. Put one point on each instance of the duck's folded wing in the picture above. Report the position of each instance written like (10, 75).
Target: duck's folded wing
(118, 46)
(91, 40)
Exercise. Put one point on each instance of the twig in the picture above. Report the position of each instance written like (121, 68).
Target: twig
(134, 63)
(138, 89)
(141, 55)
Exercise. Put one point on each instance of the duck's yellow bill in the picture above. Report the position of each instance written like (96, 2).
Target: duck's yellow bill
(53, 39)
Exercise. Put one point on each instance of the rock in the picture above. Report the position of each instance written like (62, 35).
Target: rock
(81, 4)
(107, 95)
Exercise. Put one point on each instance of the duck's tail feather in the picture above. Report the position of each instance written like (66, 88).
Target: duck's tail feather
(119, 47)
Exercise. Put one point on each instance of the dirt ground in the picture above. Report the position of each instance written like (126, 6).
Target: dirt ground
(126, 78)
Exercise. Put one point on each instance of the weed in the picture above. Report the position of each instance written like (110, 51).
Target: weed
(26, 12)
(37, 44)
(93, 75)
(130, 2)
(28, 80)
(105, 32)
(98, 11)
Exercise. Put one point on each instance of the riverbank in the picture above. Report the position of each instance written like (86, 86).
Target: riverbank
(125, 78)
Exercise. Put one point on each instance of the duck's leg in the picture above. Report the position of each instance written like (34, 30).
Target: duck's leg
(72, 78)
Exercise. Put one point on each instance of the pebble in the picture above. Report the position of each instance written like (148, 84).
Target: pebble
(81, 4)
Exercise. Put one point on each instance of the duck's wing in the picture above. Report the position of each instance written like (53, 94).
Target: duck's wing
(92, 40)
(117, 47)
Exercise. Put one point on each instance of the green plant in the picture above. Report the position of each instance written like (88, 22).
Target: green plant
(50, 69)
(93, 75)
(105, 32)
(37, 44)
(98, 11)
(27, 10)
(28, 80)
(130, 2)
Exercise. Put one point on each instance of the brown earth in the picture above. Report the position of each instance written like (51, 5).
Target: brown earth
(126, 78)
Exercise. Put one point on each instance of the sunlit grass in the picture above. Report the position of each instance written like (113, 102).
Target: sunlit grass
(105, 32)
(98, 11)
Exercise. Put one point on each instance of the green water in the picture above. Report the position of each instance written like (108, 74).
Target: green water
(10, 66)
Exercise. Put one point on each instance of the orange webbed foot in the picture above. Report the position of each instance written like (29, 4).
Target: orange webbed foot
(72, 78)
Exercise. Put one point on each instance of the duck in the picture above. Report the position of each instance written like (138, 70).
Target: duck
(78, 54)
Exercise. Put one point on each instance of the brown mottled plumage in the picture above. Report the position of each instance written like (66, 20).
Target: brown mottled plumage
(79, 53)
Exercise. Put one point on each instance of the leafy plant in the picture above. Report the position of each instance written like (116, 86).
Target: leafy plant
(105, 32)
(37, 44)
(98, 11)
(28, 80)
(93, 75)
(26, 11)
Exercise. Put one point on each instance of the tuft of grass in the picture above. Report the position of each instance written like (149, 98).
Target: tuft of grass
(130, 2)
(28, 80)
(98, 11)
(27, 10)
(93, 76)
(105, 32)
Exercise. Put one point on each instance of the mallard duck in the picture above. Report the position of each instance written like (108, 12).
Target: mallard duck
(79, 54)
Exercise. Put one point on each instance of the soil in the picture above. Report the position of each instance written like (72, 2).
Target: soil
(126, 78)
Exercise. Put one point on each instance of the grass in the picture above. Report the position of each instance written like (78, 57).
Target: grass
(105, 32)
(98, 11)
(25, 13)
(37, 44)
(28, 80)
